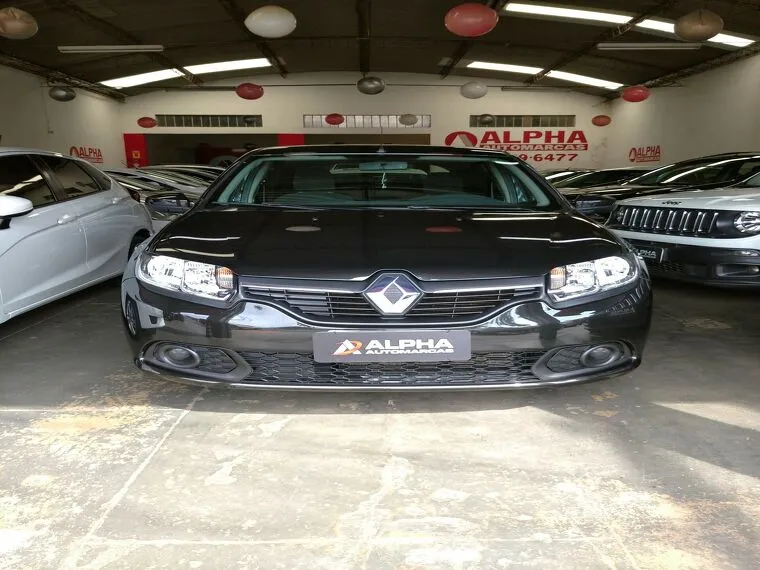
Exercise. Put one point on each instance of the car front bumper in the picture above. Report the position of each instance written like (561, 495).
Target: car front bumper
(714, 266)
(256, 346)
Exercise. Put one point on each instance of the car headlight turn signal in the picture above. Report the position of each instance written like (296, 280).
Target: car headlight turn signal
(591, 277)
(192, 277)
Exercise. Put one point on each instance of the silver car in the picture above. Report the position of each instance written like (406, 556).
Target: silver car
(64, 226)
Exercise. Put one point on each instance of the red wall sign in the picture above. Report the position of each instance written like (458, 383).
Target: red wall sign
(645, 154)
(534, 145)
(135, 150)
(88, 153)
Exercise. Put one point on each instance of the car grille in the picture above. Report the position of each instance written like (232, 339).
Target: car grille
(666, 268)
(353, 307)
(668, 221)
(282, 369)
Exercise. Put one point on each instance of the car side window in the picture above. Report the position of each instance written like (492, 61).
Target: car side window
(19, 176)
(72, 177)
(103, 181)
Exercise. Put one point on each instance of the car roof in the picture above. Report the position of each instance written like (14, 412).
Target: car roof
(377, 148)
(22, 150)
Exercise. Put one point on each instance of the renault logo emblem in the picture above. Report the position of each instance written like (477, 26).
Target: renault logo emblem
(393, 294)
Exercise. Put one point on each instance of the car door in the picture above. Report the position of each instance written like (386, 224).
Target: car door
(42, 254)
(104, 210)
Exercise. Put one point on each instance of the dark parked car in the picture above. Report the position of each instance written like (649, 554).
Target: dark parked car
(558, 175)
(385, 267)
(704, 173)
(599, 178)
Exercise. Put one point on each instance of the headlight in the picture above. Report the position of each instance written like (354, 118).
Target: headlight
(587, 278)
(748, 222)
(201, 279)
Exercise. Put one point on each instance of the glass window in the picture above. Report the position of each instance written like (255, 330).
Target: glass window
(365, 181)
(20, 177)
(103, 181)
(72, 177)
(701, 171)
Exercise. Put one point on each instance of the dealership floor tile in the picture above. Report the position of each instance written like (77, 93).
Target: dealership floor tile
(102, 467)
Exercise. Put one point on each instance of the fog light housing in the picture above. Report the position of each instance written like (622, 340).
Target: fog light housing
(178, 356)
(601, 355)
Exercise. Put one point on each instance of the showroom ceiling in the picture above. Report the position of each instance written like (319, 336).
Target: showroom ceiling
(371, 36)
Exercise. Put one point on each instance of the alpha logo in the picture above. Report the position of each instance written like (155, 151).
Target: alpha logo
(516, 141)
(645, 154)
(393, 294)
(402, 346)
(88, 153)
(348, 347)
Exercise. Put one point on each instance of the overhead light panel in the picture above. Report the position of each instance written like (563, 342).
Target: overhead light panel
(647, 46)
(567, 13)
(140, 48)
(228, 66)
(505, 67)
(142, 78)
(584, 80)
(659, 25)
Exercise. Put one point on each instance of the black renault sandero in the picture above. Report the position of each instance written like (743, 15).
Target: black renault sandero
(384, 268)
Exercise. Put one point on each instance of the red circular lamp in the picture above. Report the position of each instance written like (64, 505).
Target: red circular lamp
(147, 122)
(601, 120)
(636, 94)
(334, 119)
(249, 91)
(471, 20)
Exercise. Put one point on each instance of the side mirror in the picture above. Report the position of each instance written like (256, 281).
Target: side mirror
(13, 207)
(597, 207)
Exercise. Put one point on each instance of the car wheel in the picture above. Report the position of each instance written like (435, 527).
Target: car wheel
(137, 240)
(131, 318)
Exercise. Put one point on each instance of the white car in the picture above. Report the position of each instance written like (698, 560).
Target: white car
(706, 236)
(64, 226)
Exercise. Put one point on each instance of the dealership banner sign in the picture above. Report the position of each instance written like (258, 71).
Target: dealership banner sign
(645, 154)
(531, 145)
(88, 153)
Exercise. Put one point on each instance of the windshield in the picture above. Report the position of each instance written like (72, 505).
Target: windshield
(599, 178)
(384, 180)
(704, 171)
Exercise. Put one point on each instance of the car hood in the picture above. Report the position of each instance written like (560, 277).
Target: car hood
(354, 244)
(717, 199)
(622, 191)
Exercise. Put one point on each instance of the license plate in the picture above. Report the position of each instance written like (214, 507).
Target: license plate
(392, 346)
(650, 253)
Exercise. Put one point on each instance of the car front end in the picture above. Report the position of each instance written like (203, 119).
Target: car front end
(710, 237)
(384, 298)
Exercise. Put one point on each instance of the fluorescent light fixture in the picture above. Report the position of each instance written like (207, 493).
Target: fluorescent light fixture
(611, 18)
(505, 67)
(646, 46)
(228, 65)
(111, 49)
(730, 40)
(142, 78)
(657, 25)
(584, 80)
(569, 13)
(528, 70)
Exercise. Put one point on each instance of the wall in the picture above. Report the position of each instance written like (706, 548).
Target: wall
(286, 101)
(29, 118)
(710, 113)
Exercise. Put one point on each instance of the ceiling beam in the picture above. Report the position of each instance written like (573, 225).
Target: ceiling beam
(238, 15)
(364, 26)
(726, 59)
(465, 45)
(70, 8)
(606, 36)
(54, 76)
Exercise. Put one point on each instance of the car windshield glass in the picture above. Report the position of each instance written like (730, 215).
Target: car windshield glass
(595, 178)
(387, 180)
(705, 171)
